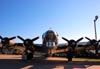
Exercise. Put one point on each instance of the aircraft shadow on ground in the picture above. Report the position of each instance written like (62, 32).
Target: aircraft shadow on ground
(44, 64)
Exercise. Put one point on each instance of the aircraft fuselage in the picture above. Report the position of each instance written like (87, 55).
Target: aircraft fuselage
(50, 41)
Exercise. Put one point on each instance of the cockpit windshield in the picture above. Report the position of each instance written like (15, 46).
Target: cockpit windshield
(49, 35)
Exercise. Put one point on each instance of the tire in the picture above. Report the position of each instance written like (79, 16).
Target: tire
(24, 56)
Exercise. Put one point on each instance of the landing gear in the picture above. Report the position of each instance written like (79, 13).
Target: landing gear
(50, 54)
(27, 55)
(69, 56)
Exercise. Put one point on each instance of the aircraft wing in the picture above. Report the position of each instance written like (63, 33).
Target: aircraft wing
(60, 48)
(64, 48)
(38, 47)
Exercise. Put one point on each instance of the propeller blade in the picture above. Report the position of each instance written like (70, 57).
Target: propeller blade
(79, 39)
(20, 38)
(12, 38)
(1, 37)
(35, 38)
(88, 38)
(65, 39)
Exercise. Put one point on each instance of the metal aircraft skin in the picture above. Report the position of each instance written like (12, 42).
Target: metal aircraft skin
(49, 44)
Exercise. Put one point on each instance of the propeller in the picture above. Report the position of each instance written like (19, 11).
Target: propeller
(20, 38)
(12, 38)
(65, 39)
(88, 38)
(92, 41)
(68, 40)
(1, 37)
(79, 39)
(35, 38)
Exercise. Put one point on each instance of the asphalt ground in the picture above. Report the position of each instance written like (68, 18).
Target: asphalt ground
(15, 62)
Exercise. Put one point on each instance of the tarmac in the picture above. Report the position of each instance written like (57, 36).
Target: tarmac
(15, 62)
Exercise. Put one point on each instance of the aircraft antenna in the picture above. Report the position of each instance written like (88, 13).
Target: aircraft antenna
(50, 28)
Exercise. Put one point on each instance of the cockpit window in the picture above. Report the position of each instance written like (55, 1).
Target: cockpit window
(49, 35)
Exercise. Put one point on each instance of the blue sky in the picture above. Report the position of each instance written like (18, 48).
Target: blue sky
(30, 18)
